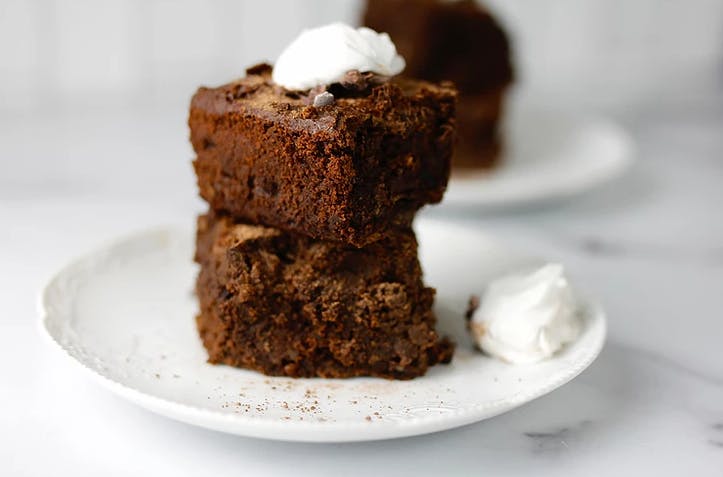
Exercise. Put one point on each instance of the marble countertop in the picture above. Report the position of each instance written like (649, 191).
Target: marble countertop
(649, 245)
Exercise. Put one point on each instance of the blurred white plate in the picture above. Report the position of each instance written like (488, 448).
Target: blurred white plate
(126, 314)
(548, 155)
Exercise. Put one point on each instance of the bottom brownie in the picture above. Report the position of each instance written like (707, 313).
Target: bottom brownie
(285, 304)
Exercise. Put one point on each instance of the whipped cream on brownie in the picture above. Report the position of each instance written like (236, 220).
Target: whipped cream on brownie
(526, 318)
(324, 55)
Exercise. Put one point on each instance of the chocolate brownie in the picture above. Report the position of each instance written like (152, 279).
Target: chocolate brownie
(461, 42)
(345, 170)
(285, 304)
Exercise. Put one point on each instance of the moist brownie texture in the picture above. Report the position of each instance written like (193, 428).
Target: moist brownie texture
(286, 304)
(345, 171)
(461, 42)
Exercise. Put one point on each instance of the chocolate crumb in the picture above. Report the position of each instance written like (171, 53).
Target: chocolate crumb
(355, 80)
(259, 69)
(472, 306)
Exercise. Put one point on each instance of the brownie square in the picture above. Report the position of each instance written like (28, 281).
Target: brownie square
(285, 304)
(344, 172)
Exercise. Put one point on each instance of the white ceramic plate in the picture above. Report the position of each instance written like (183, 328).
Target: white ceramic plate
(549, 155)
(126, 313)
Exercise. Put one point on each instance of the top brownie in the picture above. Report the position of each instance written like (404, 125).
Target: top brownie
(345, 170)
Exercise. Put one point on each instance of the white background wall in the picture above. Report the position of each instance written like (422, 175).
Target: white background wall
(76, 53)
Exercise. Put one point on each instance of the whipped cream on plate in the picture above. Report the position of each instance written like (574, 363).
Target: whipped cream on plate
(321, 56)
(526, 318)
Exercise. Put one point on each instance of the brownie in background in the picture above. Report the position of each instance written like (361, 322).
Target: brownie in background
(459, 41)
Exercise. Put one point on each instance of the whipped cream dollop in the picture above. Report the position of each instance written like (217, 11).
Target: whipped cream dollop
(323, 55)
(526, 318)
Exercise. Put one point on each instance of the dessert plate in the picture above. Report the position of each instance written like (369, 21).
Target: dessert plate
(548, 155)
(126, 314)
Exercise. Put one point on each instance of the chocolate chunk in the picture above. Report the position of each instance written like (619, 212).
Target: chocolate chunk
(259, 69)
(356, 81)
(472, 306)
(323, 99)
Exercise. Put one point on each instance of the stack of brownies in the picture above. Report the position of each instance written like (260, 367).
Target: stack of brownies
(308, 262)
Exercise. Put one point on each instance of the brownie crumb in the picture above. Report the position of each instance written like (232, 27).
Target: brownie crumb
(355, 80)
(259, 69)
(472, 306)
